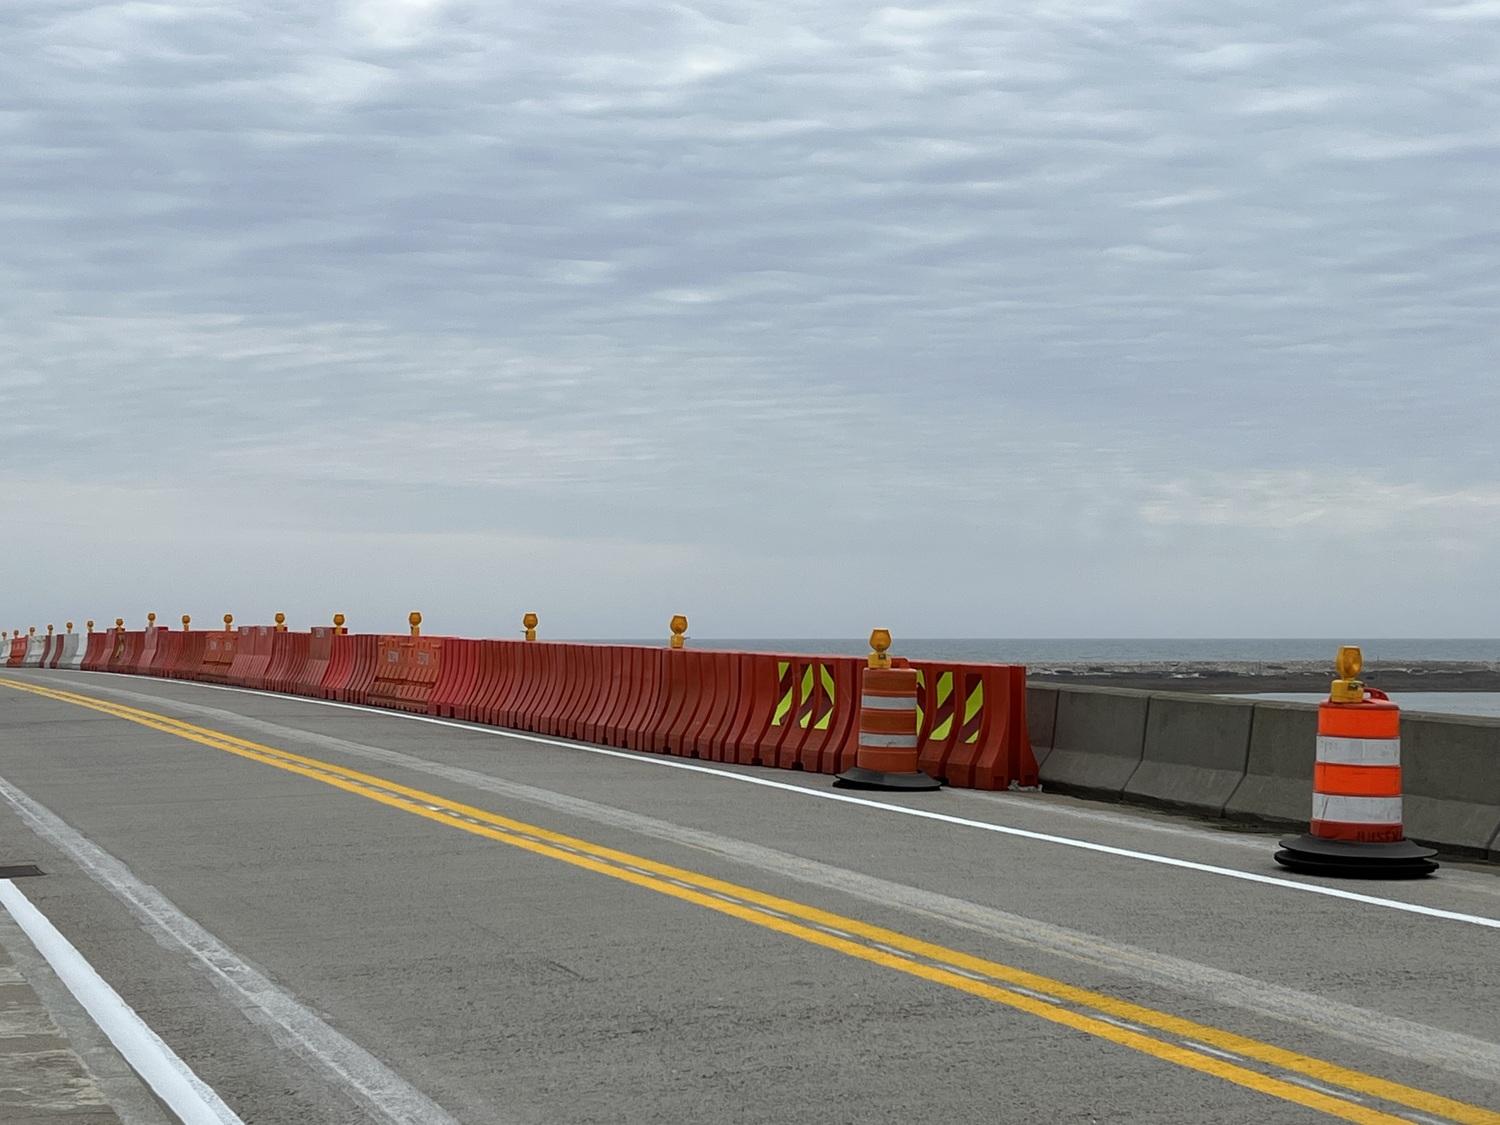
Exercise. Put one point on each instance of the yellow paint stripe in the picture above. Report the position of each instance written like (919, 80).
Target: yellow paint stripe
(593, 857)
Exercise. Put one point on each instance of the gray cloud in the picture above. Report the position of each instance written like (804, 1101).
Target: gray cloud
(1073, 311)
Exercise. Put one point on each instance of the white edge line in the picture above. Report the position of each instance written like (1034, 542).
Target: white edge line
(844, 798)
(184, 1093)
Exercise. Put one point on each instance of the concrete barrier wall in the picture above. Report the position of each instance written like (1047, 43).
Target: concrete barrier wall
(1277, 785)
(1253, 759)
(1098, 737)
(1195, 751)
(1450, 769)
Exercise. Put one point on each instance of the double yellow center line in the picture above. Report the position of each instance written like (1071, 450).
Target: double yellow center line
(1337, 1091)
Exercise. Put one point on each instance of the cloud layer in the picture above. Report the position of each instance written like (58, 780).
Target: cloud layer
(1091, 319)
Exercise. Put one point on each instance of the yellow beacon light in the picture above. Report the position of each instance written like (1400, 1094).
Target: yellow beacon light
(1348, 688)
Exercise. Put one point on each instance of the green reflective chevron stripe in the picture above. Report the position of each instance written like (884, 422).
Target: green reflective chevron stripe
(943, 708)
(972, 707)
(829, 696)
(785, 705)
(921, 698)
(805, 712)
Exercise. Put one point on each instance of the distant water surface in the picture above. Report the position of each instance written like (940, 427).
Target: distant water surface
(1113, 650)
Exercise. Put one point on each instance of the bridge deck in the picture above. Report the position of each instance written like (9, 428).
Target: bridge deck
(337, 915)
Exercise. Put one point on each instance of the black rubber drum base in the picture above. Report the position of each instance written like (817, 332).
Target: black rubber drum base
(1317, 856)
(858, 778)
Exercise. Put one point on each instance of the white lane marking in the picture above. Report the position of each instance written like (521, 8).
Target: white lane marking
(1326, 1091)
(840, 797)
(1207, 1050)
(1035, 995)
(381, 1090)
(184, 1093)
(1126, 1024)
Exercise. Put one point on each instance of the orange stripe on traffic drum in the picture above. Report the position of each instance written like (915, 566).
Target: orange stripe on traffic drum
(889, 681)
(1357, 781)
(1359, 720)
(888, 722)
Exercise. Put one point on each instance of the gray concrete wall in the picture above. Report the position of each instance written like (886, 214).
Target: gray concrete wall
(1195, 751)
(1098, 737)
(1450, 770)
(1253, 759)
(1277, 785)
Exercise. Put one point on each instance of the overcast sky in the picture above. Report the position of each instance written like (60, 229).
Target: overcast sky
(1060, 318)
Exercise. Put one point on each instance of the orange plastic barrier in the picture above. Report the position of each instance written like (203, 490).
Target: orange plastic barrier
(642, 699)
(189, 656)
(341, 651)
(406, 672)
(973, 732)
(94, 655)
(583, 674)
(314, 668)
(140, 664)
(518, 705)
(168, 649)
(363, 663)
(458, 677)
(125, 651)
(601, 661)
(790, 711)
(219, 651)
(288, 657)
(426, 665)
(17, 651)
(497, 680)
(252, 656)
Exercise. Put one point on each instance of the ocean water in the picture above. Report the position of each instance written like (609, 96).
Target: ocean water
(1113, 650)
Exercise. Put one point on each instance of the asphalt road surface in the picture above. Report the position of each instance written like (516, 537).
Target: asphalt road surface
(332, 914)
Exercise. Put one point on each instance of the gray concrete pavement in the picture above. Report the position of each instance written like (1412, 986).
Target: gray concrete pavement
(506, 985)
(43, 1080)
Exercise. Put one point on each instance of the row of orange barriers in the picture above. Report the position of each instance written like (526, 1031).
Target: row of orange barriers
(786, 711)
